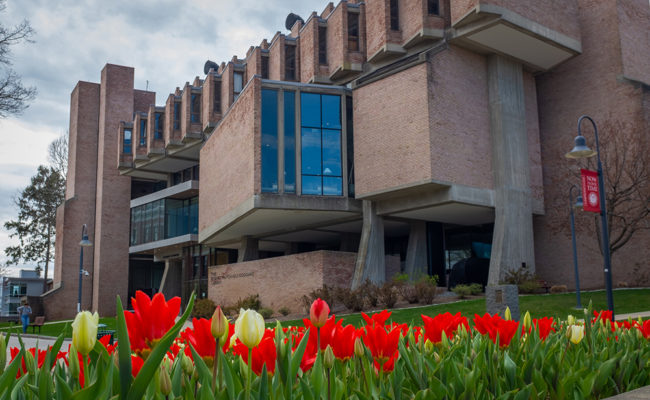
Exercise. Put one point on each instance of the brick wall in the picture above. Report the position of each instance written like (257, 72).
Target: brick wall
(634, 31)
(230, 155)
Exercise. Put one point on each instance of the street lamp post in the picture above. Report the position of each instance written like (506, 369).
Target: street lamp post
(577, 204)
(582, 151)
(84, 243)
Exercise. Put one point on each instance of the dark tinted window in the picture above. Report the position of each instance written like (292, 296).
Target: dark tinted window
(143, 132)
(290, 62)
(127, 141)
(158, 126)
(289, 142)
(322, 45)
(269, 140)
(353, 32)
(217, 96)
(265, 67)
(195, 108)
(433, 7)
(394, 15)
(177, 115)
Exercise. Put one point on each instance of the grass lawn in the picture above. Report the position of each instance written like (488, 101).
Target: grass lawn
(552, 305)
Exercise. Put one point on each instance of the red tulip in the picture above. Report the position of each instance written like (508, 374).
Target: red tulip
(262, 354)
(319, 312)
(382, 344)
(443, 322)
(645, 329)
(604, 315)
(40, 359)
(343, 342)
(201, 339)
(496, 327)
(544, 326)
(151, 319)
(110, 348)
(379, 318)
(136, 365)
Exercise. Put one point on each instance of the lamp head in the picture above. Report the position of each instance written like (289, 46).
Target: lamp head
(578, 203)
(580, 150)
(85, 242)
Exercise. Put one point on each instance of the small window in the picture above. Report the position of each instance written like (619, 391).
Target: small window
(322, 45)
(143, 132)
(394, 15)
(433, 7)
(195, 108)
(290, 62)
(177, 115)
(238, 84)
(217, 96)
(353, 31)
(265, 67)
(158, 126)
(127, 141)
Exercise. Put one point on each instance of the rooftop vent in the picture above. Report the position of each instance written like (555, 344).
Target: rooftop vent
(292, 19)
(210, 64)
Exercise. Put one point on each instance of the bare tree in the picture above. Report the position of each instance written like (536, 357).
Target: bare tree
(13, 95)
(57, 155)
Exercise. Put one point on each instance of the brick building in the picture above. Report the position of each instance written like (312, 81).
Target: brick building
(373, 137)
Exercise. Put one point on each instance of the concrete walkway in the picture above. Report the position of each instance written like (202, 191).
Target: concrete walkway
(638, 394)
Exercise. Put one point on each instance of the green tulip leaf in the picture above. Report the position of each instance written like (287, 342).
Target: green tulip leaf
(123, 351)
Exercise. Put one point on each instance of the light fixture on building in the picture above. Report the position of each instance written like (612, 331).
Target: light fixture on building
(84, 243)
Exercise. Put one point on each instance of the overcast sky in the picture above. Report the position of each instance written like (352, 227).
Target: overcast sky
(166, 41)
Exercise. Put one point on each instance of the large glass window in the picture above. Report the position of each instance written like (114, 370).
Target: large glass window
(127, 141)
(321, 167)
(195, 108)
(289, 142)
(158, 126)
(143, 132)
(164, 219)
(269, 140)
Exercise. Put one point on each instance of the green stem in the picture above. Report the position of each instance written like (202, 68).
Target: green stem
(328, 384)
(250, 373)
(318, 340)
(215, 365)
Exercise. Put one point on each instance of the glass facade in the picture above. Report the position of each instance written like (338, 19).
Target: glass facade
(320, 124)
(164, 219)
(127, 141)
(321, 168)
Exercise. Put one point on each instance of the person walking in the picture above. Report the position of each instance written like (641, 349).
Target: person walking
(24, 311)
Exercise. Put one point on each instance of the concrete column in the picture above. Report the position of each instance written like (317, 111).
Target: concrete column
(371, 261)
(248, 250)
(512, 242)
(416, 253)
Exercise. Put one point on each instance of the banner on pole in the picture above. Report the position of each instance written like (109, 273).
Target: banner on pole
(590, 195)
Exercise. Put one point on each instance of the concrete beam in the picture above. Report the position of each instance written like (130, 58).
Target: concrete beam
(249, 250)
(416, 253)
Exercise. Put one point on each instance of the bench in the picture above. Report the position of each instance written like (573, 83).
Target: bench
(38, 321)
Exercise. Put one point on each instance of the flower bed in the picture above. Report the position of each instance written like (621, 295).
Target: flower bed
(447, 356)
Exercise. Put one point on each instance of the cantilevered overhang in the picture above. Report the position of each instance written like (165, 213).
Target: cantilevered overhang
(163, 246)
(490, 29)
(183, 190)
(269, 215)
(174, 158)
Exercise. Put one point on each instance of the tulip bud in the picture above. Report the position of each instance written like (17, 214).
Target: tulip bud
(444, 339)
(84, 331)
(577, 333)
(164, 381)
(187, 365)
(73, 362)
(29, 362)
(527, 321)
(436, 357)
(359, 350)
(319, 312)
(249, 328)
(328, 357)
(428, 346)
(571, 320)
(507, 315)
(219, 323)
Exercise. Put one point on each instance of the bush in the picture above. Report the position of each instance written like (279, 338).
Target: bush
(387, 294)
(284, 311)
(532, 286)
(462, 291)
(476, 289)
(325, 293)
(203, 308)
(251, 302)
(266, 313)
(558, 289)
(351, 299)
(524, 279)
(370, 291)
(405, 288)
(426, 287)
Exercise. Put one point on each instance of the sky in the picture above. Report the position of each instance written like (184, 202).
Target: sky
(166, 41)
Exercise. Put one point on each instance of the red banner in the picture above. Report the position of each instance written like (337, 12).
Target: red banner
(590, 196)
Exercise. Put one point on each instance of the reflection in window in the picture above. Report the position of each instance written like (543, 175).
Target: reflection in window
(127, 141)
(143, 132)
(321, 167)
(177, 115)
(237, 84)
(289, 142)
(164, 219)
(269, 140)
(158, 126)
(195, 108)
(353, 31)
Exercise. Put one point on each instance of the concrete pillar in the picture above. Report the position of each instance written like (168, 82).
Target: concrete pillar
(371, 261)
(512, 242)
(248, 250)
(416, 263)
